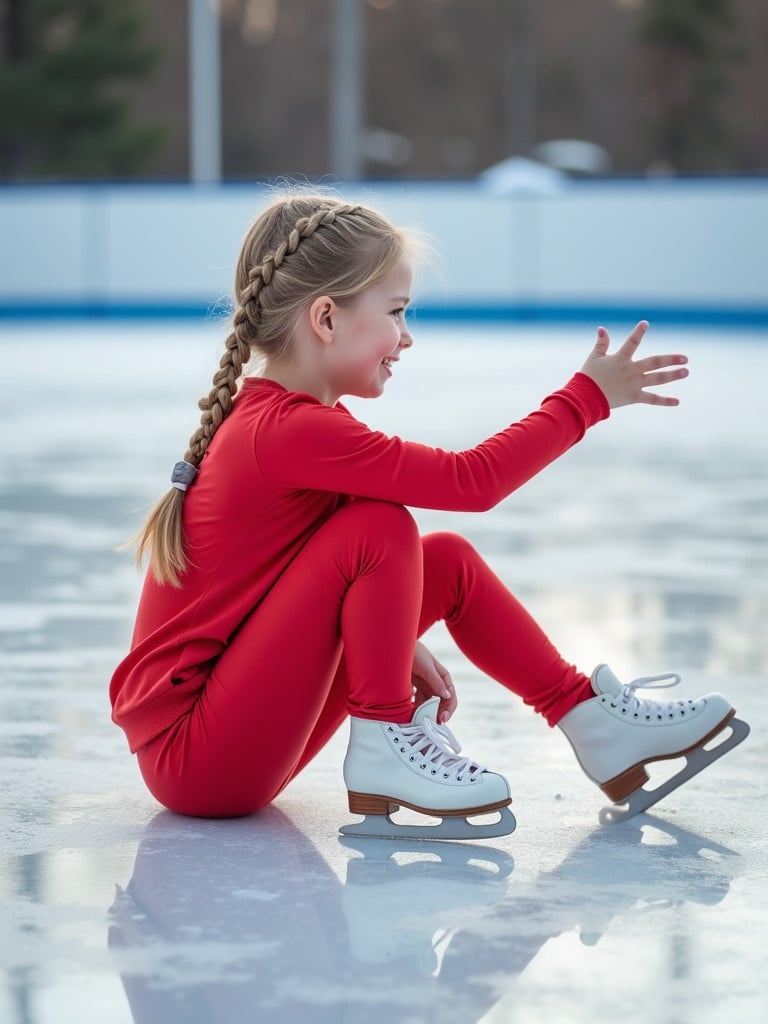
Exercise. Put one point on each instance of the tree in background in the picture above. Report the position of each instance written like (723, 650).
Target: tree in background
(61, 112)
(696, 48)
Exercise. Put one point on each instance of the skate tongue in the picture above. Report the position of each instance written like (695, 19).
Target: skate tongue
(439, 743)
(604, 681)
(426, 710)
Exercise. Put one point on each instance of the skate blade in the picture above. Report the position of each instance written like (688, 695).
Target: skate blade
(696, 761)
(381, 826)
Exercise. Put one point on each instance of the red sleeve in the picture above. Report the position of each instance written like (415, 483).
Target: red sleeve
(309, 446)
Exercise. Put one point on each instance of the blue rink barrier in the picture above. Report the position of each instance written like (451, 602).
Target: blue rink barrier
(677, 252)
(487, 313)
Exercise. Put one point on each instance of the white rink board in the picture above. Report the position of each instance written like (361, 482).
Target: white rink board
(682, 245)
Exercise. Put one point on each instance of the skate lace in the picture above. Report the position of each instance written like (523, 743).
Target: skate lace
(437, 746)
(647, 706)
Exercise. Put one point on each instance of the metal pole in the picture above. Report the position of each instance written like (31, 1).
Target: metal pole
(204, 92)
(348, 89)
(520, 98)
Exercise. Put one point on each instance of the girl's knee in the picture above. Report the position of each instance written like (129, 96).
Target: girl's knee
(446, 548)
(383, 519)
(384, 513)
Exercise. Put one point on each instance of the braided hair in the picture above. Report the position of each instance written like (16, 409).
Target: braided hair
(298, 249)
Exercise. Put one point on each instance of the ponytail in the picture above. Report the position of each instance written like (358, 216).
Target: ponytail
(277, 274)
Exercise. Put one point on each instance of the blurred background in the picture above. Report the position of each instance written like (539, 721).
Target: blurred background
(571, 162)
(93, 89)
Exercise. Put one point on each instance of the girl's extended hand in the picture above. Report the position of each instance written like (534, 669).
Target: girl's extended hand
(431, 679)
(623, 380)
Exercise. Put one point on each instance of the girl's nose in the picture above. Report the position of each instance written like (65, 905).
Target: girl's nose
(405, 337)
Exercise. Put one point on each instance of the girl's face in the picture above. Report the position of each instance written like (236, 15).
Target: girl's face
(369, 334)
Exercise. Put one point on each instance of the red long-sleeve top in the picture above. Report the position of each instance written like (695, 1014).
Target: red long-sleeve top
(278, 467)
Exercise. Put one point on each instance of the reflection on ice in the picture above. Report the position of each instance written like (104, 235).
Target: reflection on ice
(645, 547)
(244, 920)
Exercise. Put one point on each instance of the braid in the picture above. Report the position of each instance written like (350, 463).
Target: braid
(217, 404)
(335, 263)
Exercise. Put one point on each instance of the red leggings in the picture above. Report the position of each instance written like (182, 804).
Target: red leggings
(366, 585)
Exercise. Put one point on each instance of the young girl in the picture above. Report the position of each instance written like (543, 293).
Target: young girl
(288, 584)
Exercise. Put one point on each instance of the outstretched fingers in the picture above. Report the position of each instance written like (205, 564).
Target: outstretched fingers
(651, 363)
(624, 379)
(629, 347)
(654, 373)
(653, 397)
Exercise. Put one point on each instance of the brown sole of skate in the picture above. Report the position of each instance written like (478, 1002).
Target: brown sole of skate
(369, 803)
(377, 823)
(733, 732)
(619, 788)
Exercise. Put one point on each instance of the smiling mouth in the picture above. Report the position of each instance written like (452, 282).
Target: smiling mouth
(388, 362)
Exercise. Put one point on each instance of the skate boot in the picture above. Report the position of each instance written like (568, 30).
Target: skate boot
(417, 765)
(616, 734)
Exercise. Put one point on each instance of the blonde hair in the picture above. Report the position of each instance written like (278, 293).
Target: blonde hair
(299, 248)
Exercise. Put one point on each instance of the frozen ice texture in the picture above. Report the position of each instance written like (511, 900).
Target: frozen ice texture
(646, 547)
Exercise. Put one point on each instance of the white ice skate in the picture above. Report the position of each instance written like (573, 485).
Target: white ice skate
(417, 765)
(616, 734)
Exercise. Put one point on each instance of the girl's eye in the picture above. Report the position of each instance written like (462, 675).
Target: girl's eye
(397, 313)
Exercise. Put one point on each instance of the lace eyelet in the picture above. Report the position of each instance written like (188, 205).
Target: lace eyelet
(422, 766)
(446, 775)
(411, 758)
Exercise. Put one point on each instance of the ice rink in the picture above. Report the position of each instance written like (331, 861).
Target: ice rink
(645, 547)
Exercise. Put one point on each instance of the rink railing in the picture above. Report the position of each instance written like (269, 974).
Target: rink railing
(675, 251)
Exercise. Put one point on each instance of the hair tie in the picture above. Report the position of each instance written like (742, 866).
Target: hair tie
(183, 475)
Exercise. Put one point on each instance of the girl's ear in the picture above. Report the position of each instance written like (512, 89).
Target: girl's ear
(322, 318)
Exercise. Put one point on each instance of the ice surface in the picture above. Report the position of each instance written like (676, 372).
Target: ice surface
(646, 546)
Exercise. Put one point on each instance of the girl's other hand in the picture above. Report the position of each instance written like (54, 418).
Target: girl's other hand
(431, 679)
(623, 379)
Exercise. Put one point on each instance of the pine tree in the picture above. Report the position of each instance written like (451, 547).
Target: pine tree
(62, 114)
(696, 47)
